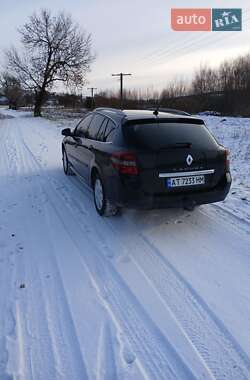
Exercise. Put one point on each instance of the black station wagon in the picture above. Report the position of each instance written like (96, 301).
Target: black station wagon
(144, 159)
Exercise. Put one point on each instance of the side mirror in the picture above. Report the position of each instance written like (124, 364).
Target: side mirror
(67, 132)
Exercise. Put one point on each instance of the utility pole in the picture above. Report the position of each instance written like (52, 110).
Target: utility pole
(92, 89)
(121, 75)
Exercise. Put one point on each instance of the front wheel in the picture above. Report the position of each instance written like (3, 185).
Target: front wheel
(66, 166)
(103, 206)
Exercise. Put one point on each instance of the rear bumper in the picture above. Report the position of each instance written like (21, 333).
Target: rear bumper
(137, 199)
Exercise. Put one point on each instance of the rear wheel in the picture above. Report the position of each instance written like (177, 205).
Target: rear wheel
(190, 206)
(66, 166)
(103, 206)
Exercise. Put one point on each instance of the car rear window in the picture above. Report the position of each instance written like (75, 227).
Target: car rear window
(156, 136)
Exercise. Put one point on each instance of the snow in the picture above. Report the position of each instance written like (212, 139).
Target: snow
(160, 294)
(234, 133)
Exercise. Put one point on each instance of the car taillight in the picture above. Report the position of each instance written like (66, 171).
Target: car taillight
(125, 163)
(227, 162)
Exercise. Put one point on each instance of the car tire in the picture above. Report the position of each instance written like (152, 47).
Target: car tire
(103, 206)
(66, 166)
(190, 207)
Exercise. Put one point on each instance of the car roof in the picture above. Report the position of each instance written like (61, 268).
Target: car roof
(130, 115)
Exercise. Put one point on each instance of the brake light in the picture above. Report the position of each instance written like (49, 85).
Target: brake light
(125, 163)
(227, 162)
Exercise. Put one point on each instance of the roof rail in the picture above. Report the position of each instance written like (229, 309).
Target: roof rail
(108, 109)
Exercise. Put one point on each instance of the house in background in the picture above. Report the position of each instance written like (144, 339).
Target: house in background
(3, 100)
(52, 100)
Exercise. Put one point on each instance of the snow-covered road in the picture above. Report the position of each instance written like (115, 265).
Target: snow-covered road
(156, 295)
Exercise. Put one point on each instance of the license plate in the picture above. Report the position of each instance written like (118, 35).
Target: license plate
(186, 181)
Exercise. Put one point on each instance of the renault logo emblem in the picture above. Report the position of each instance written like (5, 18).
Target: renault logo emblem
(189, 159)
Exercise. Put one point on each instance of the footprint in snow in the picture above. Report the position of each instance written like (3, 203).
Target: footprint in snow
(109, 254)
(178, 222)
(128, 356)
(19, 247)
(107, 251)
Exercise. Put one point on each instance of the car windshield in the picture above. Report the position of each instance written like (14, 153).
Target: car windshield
(157, 136)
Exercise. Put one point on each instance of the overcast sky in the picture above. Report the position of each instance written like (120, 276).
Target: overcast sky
(135, 36)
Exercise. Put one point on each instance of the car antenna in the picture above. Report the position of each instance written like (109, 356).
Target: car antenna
(156, 111)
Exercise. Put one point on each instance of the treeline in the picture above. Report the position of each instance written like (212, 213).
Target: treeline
(225, 89)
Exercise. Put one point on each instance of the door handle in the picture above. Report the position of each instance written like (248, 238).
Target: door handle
(77, 140)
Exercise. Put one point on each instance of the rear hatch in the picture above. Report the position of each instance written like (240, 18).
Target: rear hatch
(174, 148)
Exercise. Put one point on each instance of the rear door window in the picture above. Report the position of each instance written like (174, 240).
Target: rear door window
(101, 133)
(107, 131)
(110, 131)
(157, 136)
(94, 127)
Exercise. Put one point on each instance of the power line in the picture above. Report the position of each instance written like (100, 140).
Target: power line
(175, 46)
(204, 39)
(180, 41)
(186, 50)
(121, 75)
(192, 48)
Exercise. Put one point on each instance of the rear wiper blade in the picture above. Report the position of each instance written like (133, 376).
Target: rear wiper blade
(178, 145)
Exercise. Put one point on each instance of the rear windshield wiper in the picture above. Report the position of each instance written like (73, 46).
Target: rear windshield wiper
(177, 145)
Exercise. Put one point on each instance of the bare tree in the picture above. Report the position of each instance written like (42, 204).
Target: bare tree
(55, 49)
(176, 88)
(12, 89)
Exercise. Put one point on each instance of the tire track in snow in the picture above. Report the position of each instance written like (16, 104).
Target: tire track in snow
(106, 361)
(6, 158)
(235, 221)
(7, 322)
(221, 352)
(7, 274)
(56, 367)
(27, 316)
(208, 334)
(158, 359)
(218, 348)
